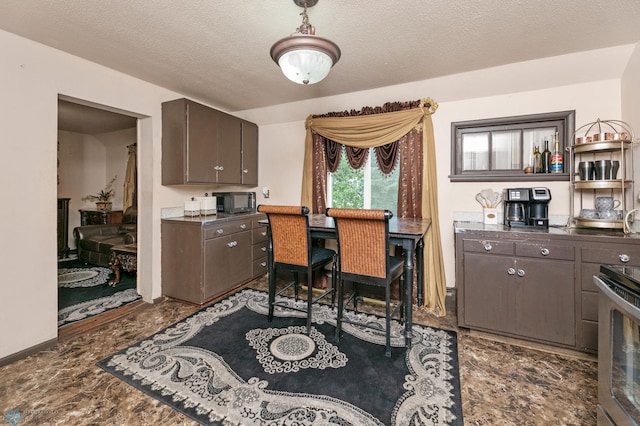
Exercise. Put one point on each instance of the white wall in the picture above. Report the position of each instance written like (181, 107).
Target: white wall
(86, 164)
(631, 108)
(32, 77)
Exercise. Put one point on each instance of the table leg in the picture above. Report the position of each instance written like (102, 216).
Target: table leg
(420, 272)
(408, 298)
(115, 267)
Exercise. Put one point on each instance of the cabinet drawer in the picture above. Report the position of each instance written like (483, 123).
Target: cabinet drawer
(612, 255)
(259, 250)
(260, 235)
(259, 267)
(545, 250)
(256, 222)
(488, 246)
(214, 231)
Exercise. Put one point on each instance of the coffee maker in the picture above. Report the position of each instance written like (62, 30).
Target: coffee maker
(527, 207)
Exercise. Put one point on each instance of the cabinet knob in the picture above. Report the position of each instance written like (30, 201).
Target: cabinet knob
(264, 234)
(511, 271)
(232, 244)
(624, 258)
(216, 168)
(544, 251)
(220, 168)
(245, 171)
(243, 226)
(487, 245)
(219, 231)
(263, 264)
(263, 248)
(521, 272)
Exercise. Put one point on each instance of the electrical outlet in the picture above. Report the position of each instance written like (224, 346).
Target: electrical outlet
(265, 192)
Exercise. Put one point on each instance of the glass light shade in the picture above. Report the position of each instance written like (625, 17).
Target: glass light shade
(305, 66)
(305, 59)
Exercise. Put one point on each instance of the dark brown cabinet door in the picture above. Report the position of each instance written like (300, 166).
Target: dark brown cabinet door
(249, 153)
(202, 156)
(544, 306)
(487, 292)
(229, 144)
(227, 263)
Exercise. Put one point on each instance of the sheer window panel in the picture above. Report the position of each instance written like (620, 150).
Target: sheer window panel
(475, 147)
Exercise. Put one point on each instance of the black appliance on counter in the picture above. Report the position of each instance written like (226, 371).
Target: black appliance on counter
(618, 344)
(235, 202)
(527, 207)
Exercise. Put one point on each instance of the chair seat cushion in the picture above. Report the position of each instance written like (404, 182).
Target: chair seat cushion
(321, 255)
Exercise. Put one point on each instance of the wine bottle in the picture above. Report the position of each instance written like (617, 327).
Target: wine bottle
(546, 158)
(556, 158)
(537, 160)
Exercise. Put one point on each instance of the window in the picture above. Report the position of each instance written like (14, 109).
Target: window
(500, 149)
(365, 188)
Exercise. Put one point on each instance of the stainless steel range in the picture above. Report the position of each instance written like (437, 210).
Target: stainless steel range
(618, 345)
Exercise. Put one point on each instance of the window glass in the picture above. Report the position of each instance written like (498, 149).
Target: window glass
(475, 147)
(365, 188)
(506, 150)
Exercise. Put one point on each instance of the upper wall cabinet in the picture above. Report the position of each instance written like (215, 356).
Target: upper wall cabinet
(201, 145)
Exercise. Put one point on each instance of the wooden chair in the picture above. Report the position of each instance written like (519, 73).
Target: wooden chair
(363, 258)
(291, 249)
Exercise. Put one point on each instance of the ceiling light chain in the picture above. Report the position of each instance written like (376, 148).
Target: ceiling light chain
(306, 27)
(303, 57)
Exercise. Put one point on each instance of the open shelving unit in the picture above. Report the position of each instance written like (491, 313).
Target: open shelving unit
(601, 140)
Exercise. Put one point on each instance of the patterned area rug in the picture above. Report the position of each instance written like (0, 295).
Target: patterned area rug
(227, 365)
(83, 291)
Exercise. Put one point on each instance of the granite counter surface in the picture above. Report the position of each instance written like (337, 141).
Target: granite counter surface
(555, 231)
(209, 219)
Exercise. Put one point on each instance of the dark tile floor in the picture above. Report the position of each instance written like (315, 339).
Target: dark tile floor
(503, 382)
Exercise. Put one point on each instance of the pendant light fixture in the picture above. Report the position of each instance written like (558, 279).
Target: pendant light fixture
(303, 57)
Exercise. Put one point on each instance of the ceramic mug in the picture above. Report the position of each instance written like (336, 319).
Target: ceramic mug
(606, 203)
(608, 214)
(589, 213)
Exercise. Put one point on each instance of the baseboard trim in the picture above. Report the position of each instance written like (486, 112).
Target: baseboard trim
(28, 352)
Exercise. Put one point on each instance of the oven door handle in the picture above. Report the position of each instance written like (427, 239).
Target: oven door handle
(629, 309)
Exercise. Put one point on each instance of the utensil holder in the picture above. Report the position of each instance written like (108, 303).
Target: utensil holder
(490, 216)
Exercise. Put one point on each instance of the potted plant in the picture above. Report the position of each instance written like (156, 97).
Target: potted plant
(103, 198)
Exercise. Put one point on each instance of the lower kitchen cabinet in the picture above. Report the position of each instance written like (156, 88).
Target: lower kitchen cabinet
(508, 289)
(536, 285)
(203, 260)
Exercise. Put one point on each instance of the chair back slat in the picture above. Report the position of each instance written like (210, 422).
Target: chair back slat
(363, 239)
(288, 226)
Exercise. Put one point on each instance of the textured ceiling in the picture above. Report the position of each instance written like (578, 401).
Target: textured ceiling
(217, 51)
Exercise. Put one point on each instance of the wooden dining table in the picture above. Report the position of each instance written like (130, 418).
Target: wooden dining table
(403, 232)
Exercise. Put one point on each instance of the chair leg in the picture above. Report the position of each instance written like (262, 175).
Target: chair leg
(333, 284)
(309, 299)
(388, 320)
(340, 285)
(272, 293)
(295, 285)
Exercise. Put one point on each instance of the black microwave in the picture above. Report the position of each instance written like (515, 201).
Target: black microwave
(235, 202)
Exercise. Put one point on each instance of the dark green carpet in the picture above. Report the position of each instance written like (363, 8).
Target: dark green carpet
(83, 290)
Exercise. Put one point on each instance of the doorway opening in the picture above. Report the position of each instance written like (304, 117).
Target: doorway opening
(97, 162)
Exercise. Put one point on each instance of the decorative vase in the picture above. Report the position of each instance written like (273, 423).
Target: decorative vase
(103, 206)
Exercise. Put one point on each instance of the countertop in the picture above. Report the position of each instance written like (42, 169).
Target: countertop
(209, 219)
(562, 231)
